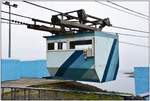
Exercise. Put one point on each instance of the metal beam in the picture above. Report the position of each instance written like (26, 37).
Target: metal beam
(52, 30)
(74, 25)
(43, 28)
(42, 21)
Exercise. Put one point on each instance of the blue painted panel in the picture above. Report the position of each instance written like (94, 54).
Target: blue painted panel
(68, 63)
(34, 68)
(106, 34)
(141, 80)
(15, 69)
(67, 36)
(103, 47)
(83, 34)
(89, 62)
(109, 60)
(78, 73)
(10, 69)
(79, 61)
(113, 68)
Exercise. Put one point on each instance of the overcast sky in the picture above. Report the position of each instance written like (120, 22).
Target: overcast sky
(28, 44)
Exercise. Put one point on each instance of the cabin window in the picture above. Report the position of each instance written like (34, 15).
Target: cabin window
(81, 44)
(50, 46)
(57, 46)
(60, 45)
(64, 46)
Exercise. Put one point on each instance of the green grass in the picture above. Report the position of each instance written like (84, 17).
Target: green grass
(73, 94)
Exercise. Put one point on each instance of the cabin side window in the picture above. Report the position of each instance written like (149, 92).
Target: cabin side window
(50, 46)
(57, 46)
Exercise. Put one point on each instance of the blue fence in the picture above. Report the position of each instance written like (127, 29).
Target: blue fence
(16, 69)
(141, 80)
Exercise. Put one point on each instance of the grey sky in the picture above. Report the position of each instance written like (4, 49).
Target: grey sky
(29, 44)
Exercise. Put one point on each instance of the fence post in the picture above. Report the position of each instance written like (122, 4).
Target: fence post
(14, 93)
(2, 97)
(39, 94)
(11, 93)
(24, 95)
(56, 94)
(28, 94)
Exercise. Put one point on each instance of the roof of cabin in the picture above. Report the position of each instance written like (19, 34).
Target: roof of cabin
(83, 34)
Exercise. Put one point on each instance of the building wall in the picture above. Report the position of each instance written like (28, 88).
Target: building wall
(15, 69)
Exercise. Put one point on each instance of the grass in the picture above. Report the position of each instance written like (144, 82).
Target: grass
(69, 85)
(74, 94)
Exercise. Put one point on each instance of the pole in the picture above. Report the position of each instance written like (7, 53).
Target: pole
(9, 50)
(9, 39)
(149, 38)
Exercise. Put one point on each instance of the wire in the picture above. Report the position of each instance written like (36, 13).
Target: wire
(10, 23)
(128, 29)
(109, 26)
(112, 26)
(17, 15)
(21, 23)
(111, 32)
(42, 7)
(134, 44)
(140, 36)
(5, 19)
(24, 16)
(121, 10)
(15, 21)
(96, 1)
(60, 13)
(127, 8)
(133, 35)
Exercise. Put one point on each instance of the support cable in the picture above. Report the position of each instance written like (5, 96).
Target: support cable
(11, 23)
(96, 1)
(17, 15)
(42, 6)
(134, 44)
(22, 23)
(133, 35)
(129, 29)
(121, 10)
(127, 8)
(25, 17)
(15, 21)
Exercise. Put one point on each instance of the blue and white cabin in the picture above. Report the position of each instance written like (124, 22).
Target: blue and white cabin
(87, 56)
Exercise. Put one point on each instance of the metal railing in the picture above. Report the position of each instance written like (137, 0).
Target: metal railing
(30, 93)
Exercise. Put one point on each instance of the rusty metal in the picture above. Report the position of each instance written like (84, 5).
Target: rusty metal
(64, 22)
(52, 30)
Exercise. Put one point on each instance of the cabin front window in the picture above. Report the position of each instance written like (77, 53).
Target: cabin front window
(81, 44)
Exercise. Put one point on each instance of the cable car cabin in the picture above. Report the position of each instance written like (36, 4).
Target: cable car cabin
(87, 56)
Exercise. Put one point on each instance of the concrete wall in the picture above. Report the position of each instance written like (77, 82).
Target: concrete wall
(15, 69)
